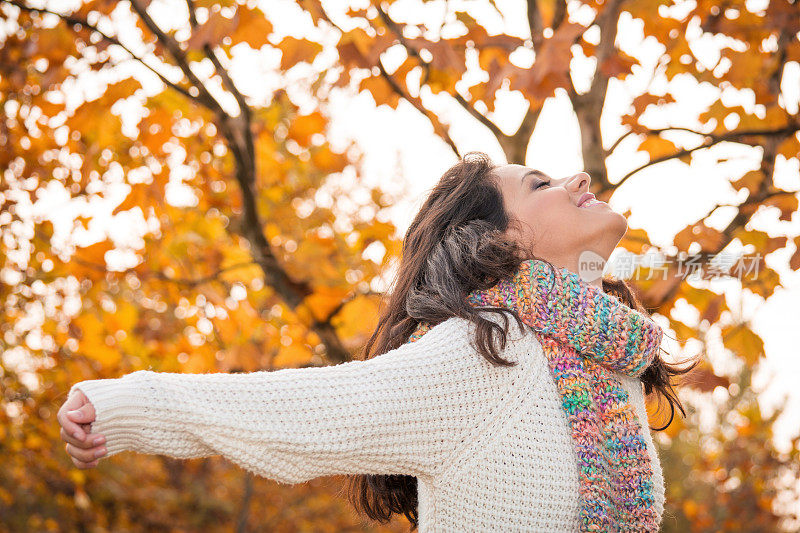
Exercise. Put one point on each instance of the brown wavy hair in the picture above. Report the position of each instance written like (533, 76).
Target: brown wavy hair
(455, 245)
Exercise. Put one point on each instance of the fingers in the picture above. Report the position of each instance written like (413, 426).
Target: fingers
(88, 456)
(90, 441)
(84, 466)
(83, 414)
(76, 416)
(75, 400)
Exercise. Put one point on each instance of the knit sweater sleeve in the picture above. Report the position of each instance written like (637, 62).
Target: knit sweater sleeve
(402, 412)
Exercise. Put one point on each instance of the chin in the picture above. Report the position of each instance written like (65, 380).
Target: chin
(621, 224)
(615, 227)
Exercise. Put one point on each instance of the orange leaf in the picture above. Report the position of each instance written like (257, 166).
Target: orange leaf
(751, 181)
(551, 68)
(786, 203)
(213, 30)
(618, 65)
(292, 356)
(794, 262)
(304, 126)
(761, 240)
(294, 51)
(254, 28)
(96, 252)
(324, 300)
(709, 303)
(742, 341)
(635, 240)
(707, 238)
(704, 379)
(327, 160)
(381, 91)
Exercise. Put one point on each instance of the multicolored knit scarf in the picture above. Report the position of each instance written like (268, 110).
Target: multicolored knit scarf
(586, 334)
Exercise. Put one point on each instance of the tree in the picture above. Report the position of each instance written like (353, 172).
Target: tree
(265, 266)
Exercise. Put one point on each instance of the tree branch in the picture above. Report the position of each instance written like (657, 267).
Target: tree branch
(713, 139)
(535, 24)
(651, 132)
(227, 82)
(75, 22)
(417, 103)
(178, 56)
(412, 51)
(765, 189)
(238, 133)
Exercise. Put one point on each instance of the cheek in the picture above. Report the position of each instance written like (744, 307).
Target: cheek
(547, 221)
(548, 214)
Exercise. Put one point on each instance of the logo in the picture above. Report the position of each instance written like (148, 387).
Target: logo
(590, 266)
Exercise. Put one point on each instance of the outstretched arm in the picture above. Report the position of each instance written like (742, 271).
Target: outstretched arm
(403, 412)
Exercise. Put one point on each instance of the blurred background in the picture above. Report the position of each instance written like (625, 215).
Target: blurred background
(196, 186)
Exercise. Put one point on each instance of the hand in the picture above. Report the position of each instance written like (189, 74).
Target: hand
(76, 417)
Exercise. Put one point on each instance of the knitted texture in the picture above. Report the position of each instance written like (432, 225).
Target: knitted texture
(491, 447)
(586, 337)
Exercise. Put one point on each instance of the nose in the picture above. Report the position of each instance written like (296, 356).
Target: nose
(579, 183)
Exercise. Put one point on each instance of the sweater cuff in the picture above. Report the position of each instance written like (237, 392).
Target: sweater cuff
(122, 408)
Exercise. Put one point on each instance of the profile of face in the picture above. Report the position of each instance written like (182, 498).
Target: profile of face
(558, 219)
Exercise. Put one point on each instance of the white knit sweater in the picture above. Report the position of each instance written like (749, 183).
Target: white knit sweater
(490, 445)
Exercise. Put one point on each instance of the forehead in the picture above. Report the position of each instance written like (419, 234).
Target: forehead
(513, 170)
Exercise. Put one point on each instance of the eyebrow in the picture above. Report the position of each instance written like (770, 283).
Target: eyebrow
(534, 172)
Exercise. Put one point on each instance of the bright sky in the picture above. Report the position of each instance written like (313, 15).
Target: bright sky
(662, 199)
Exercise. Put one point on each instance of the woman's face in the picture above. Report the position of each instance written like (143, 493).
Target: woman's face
(555, 222)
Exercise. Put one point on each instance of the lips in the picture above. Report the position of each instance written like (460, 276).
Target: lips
(587, 199)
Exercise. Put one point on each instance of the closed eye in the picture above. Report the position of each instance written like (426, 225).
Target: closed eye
(540, 184)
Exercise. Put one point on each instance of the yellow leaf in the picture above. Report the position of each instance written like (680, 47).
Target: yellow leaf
(124, 318)
(357, 319)
(657, 147)
(107, 356)
(742, 341)
(292, 356)
(442, 80)
(77, 476)
(682, 332)
(761, 240)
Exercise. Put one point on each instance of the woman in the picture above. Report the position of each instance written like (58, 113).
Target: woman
(458, 418)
